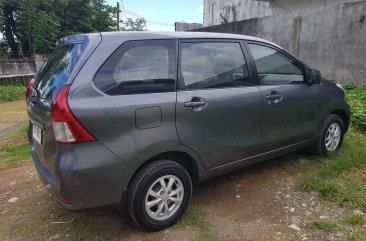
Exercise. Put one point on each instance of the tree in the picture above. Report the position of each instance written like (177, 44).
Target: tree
(138, 24)
(37, 27)
(9, 27)
(33, 26)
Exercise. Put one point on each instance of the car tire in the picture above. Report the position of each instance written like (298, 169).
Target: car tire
(331, 136)
(154, 206)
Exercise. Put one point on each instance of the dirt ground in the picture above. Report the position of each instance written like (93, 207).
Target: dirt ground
(261, 202)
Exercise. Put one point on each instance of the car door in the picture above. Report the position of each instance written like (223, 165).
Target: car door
(290, 105)
(218, 109)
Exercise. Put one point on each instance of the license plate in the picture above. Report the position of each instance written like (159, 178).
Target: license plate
(37, 134)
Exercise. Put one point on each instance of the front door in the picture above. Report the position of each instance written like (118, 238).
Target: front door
(218, 110)
(290, 105)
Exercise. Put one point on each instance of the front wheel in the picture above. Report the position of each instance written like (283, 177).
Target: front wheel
(331, 136)
(159, 195)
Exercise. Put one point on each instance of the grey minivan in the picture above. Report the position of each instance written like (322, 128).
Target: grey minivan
(135, 118)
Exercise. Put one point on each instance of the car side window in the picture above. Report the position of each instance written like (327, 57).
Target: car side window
(206, 65)
(139, 67)
(274, 67)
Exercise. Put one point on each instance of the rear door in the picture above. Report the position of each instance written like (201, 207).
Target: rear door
(218, 110)
(60, 67)
(290, 105)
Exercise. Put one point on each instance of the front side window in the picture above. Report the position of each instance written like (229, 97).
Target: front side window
(275, 68)
(206, 65)
(139, 67)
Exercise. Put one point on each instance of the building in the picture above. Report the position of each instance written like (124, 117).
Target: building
(225, 11)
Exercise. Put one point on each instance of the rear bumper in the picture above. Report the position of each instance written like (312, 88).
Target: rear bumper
(88, 175)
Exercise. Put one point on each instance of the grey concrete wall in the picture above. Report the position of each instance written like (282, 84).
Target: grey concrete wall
(22, 66)
(17, 67)
(233, 10)
(181, 27)
(332, 40)
(299, 7)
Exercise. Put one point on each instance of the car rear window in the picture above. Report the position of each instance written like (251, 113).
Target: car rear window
(56, 71)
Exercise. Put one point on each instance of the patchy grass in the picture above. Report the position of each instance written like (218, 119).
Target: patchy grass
(14, 154)
(10, 93)
(359, 236)
(342, 176)
(356, 98)
(355, 220)
(21, 132)
(197, 218)
(323, 225)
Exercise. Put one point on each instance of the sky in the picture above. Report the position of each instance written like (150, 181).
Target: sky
(162, 14)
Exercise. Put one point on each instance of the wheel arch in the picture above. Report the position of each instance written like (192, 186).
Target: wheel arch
(180, 157)
(344, 116)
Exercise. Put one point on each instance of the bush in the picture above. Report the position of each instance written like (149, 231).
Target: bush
(10, 93)
(356, 97)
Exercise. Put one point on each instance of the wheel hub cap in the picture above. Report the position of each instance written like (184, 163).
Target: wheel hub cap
(332, 137)
(164, 197)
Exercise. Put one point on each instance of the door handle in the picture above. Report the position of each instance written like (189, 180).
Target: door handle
(273, 98)
(194, 103)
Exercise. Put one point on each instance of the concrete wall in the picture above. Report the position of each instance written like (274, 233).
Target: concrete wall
(181, 27)
(299, 7)
(332, 40)
(22, 66)
(233, 10)
(17, 67)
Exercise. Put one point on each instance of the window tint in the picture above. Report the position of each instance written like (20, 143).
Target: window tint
(274, 67)
(55, 72)
(213, 65)
(139, 67)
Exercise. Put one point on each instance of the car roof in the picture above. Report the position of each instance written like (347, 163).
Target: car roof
(180, 35)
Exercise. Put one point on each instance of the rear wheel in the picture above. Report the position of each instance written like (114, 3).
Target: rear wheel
(159, 195)
(331, 137)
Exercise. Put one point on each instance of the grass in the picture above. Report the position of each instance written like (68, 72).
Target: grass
(356, 98)
(10, 93)
(14, 154)
(322, 225)
(341, 177)
(21, 132)
(354, 220)
(197, 218)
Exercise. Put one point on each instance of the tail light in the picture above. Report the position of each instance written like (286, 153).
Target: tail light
(66, 127)
(29, 86)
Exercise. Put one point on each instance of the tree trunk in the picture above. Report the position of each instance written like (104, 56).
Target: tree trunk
(10, 29)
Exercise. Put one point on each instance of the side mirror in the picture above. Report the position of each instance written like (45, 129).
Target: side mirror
(314, 76)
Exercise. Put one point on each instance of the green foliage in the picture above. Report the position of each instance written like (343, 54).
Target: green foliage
(9, 93)
(138, 24)
(4, 49)
(33, 26)
(323, 225)
(356, 97)
(21, 132)
(14, 154)
(37, 27)
(355, 220)
(342, 176)
(196, 218)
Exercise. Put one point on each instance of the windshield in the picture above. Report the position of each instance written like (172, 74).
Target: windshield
(56, 71)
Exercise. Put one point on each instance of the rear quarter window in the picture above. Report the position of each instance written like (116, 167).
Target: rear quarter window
(139, 67)
(56, 71)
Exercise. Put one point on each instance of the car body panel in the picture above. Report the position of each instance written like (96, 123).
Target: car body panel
(129, 132)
